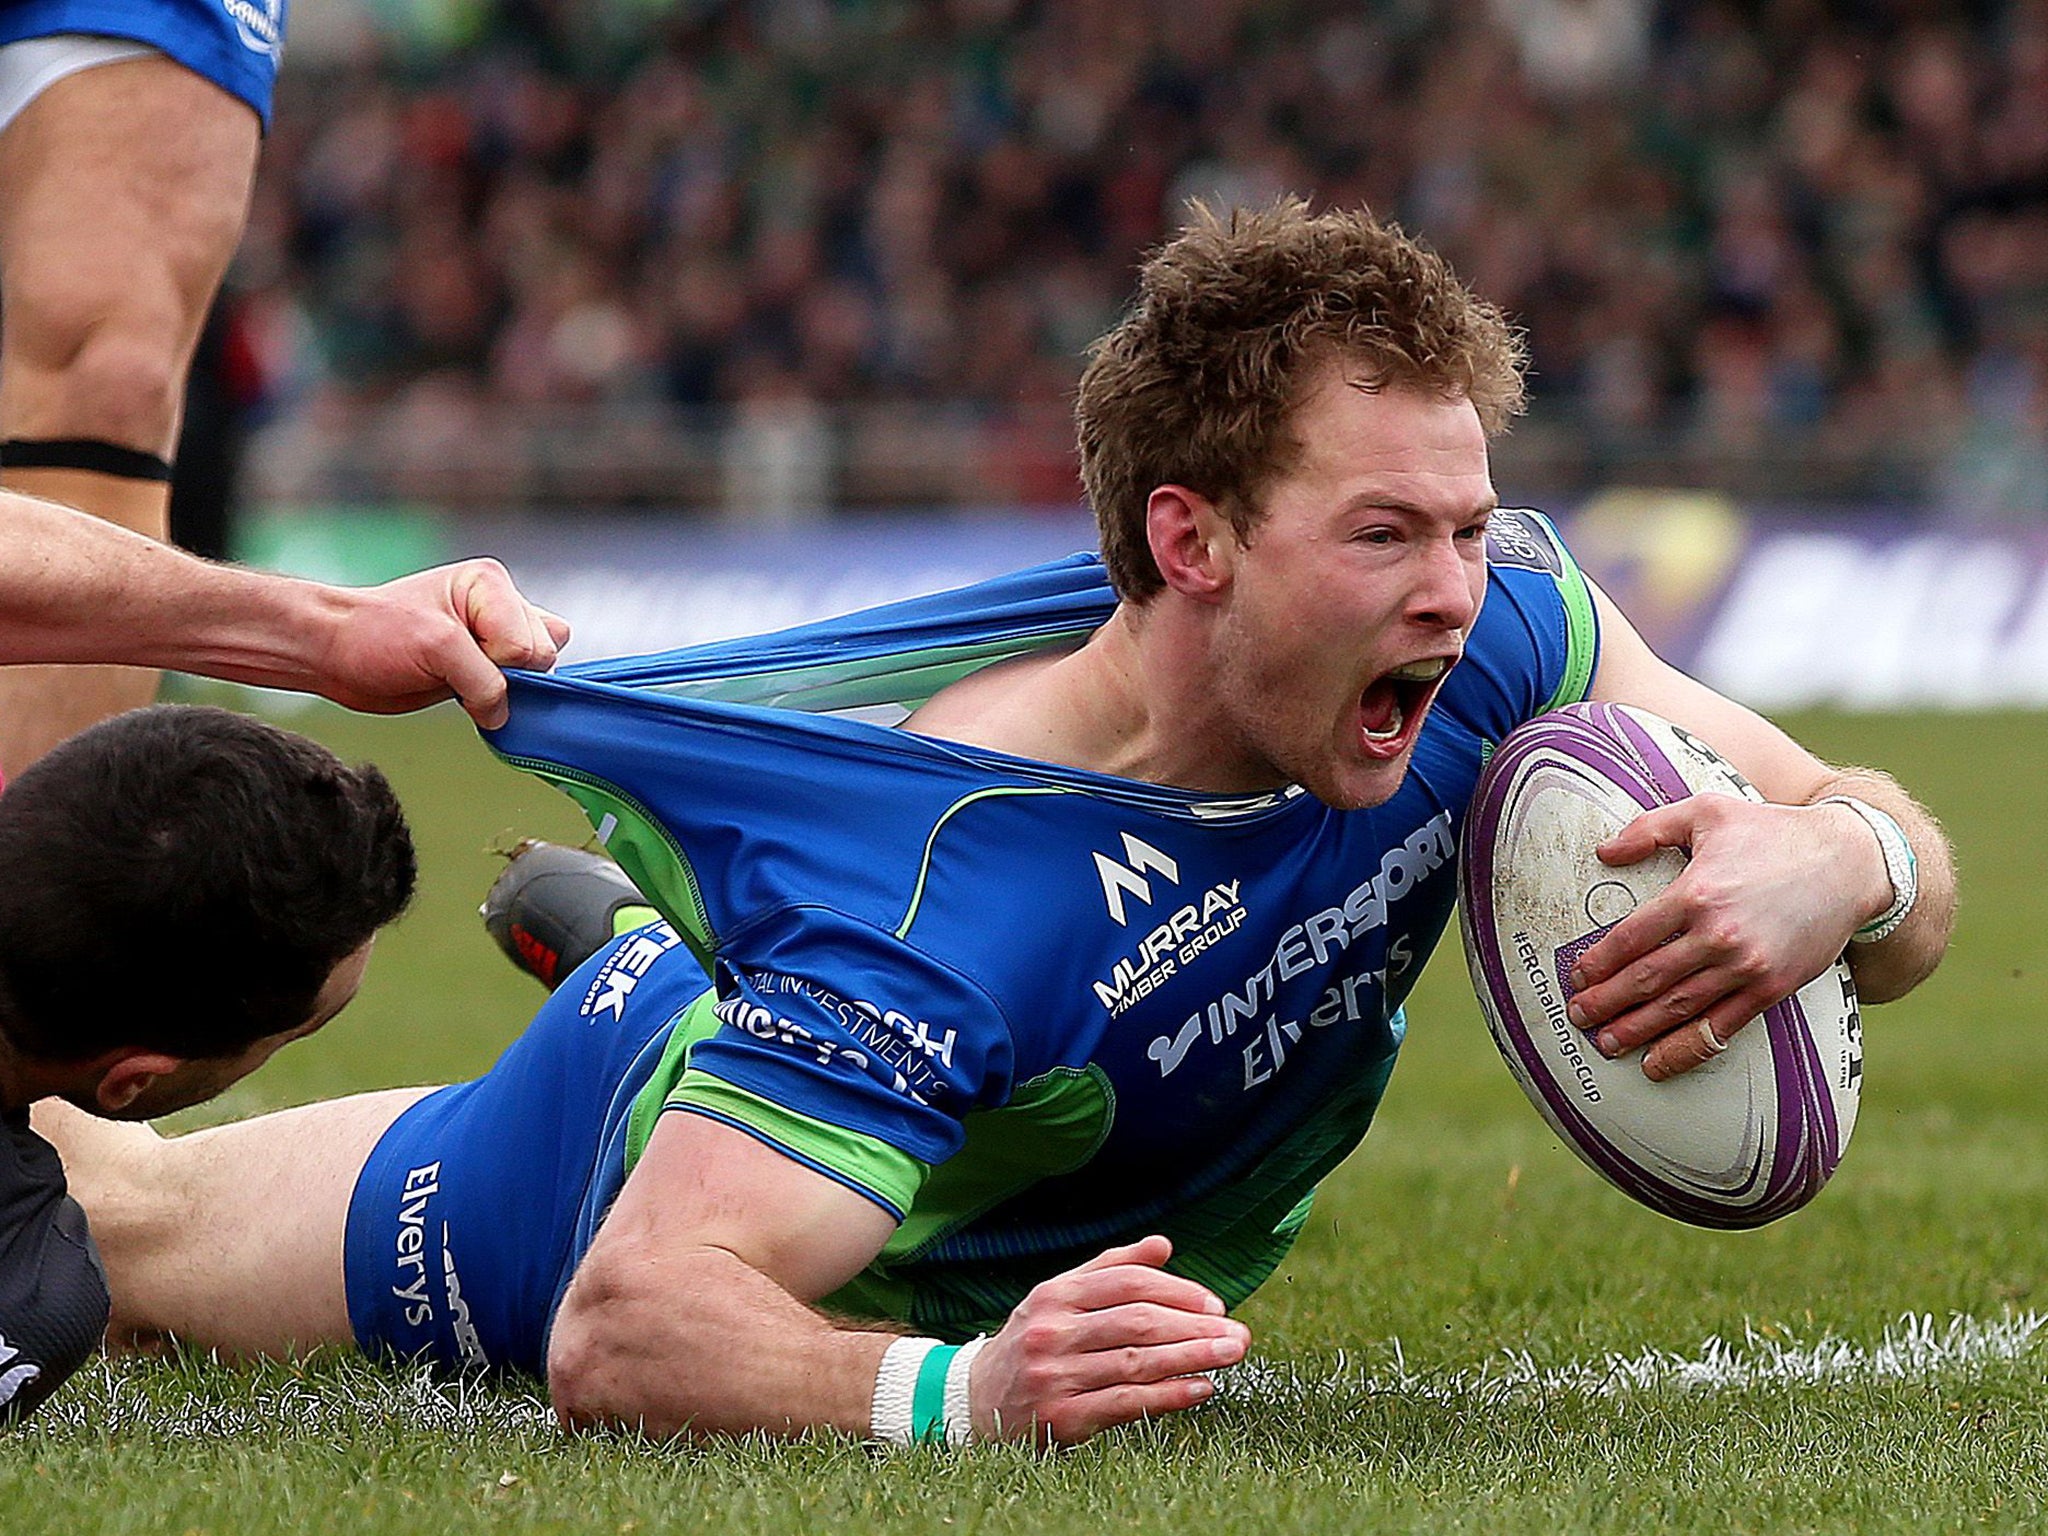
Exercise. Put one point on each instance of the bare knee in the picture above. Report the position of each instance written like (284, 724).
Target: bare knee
(119, 1170)
(122, 195)
(118, 379)
(95, 349)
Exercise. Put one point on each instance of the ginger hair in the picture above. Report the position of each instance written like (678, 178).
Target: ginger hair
(1233, 320)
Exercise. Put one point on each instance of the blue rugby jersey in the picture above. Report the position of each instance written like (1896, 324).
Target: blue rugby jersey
(1029, 1010)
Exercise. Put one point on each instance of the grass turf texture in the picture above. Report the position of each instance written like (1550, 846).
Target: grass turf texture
(1507, 1273)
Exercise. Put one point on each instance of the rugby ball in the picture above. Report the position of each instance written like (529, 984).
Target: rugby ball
(1741, 1140)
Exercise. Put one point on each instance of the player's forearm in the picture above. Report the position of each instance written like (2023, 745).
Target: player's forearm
(66, 580)
(78, 589)
(701, 1343)
(245, 626)
(1894, 965)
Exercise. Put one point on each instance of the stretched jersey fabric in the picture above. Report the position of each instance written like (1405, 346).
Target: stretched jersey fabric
(1028, 1010)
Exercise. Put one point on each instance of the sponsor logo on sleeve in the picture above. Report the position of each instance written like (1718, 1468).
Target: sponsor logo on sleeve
(851, 1033)
(1514, 539)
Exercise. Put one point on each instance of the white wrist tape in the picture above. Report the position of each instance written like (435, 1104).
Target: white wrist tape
(959, 1412)
(889, 1418)
(1899, 864)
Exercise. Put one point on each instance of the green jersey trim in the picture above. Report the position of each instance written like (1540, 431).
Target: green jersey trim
(906, 678)
(931, 841)
(872, 1168)
(645, 849)
(1238, 1263)
(1053, 1124)
(1582, 629)
(693, 1024)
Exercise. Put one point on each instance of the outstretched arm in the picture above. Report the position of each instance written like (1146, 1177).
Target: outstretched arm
(692, 1312)
(1772, 893)
(77, 589)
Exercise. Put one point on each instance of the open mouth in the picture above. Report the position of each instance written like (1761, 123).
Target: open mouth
(1393, 704)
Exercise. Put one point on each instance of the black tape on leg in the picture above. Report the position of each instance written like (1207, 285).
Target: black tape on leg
(87, 453)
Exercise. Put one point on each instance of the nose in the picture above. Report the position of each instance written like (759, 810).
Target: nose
(1448, 586)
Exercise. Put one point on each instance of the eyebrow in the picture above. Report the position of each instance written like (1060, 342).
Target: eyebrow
(1366, 501)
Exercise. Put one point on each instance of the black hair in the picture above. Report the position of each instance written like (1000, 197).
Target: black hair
(184, 879)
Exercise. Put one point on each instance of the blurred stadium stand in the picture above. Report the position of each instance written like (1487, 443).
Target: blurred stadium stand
(778, 257)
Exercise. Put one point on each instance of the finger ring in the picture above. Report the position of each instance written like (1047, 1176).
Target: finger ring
(1714, 1043)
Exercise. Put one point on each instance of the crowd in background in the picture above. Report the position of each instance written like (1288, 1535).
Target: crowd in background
(1738, 234)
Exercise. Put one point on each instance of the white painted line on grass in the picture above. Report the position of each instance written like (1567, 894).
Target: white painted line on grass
(110, 1397)
(1914, 1348)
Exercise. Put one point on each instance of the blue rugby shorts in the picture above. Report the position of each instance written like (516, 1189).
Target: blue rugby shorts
(234, 43)
(473, 1209)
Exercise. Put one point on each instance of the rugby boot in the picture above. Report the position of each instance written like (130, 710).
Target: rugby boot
(553, 907)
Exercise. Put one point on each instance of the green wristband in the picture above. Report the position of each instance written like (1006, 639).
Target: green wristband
(928, 1397)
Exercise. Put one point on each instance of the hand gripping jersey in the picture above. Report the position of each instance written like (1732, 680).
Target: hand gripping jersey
(1030, 1011)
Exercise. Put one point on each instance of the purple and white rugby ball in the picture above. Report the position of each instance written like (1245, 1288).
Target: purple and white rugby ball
(1742, 1140)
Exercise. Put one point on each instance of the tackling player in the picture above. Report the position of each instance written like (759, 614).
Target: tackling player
(182, 892)
(1035, 1024)
(129, 132)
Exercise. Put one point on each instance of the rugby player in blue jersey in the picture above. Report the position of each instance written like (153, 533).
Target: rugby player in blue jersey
(982, 1066)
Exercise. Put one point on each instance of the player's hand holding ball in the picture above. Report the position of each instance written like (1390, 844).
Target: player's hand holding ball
(1739, 1110)
(1756, 913)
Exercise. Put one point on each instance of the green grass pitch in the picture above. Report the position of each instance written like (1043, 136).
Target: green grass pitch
(1475, 1334)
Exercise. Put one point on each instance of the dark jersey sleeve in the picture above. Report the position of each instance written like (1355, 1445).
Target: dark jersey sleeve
(53, 1292)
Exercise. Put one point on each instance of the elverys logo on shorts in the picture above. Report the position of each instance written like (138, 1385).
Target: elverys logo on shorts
(258, 23)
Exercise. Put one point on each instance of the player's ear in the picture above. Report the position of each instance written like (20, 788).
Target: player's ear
(1192, 542)
(128, 1075)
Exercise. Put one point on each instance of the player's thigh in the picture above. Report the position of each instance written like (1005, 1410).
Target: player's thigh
(243, 1251)
(123, 192)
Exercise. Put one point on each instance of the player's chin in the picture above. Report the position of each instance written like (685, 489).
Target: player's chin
(1357, 783)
